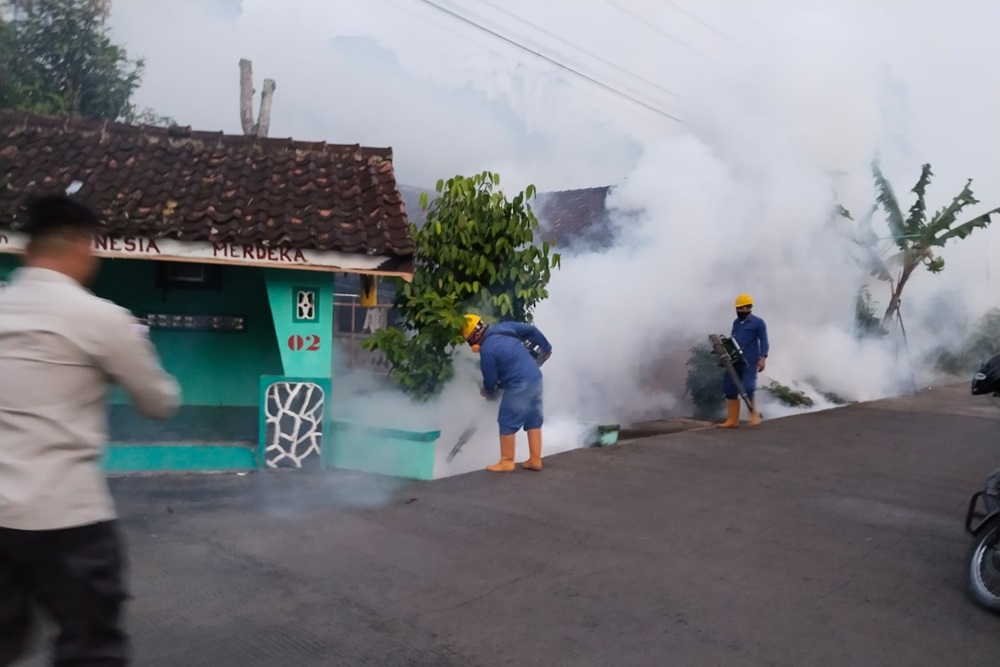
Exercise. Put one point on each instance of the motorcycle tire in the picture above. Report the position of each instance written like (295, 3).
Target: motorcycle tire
(993, 484)
(982, 559)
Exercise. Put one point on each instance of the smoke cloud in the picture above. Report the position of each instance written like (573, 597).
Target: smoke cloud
(741, 201)
(784, 105)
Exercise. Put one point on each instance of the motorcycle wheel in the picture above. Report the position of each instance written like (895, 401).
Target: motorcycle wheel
(982, 566)
(992, 483)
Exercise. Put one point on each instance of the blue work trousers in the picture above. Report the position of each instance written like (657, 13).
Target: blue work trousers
(748, 376)
(520, 407)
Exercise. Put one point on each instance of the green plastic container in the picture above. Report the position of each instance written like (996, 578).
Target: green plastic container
(603, 435)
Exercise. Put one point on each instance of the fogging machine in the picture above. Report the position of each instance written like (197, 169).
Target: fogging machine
(730, 356)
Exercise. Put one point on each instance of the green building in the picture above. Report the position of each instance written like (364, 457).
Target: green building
(227, 248)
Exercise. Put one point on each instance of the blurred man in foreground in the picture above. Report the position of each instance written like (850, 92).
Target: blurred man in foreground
(61, 348)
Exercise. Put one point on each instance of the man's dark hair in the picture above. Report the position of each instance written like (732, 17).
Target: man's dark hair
(50, 215)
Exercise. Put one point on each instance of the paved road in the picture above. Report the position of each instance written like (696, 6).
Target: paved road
(828, 539)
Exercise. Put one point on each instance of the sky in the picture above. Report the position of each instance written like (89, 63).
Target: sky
(747, 117)
(450, 98)
(446, 96)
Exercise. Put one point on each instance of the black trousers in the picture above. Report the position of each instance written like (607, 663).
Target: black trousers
(76, 575)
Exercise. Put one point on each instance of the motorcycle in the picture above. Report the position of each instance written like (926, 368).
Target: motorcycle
(982, 520)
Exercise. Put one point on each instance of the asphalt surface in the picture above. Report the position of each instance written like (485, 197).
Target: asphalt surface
(833, 538)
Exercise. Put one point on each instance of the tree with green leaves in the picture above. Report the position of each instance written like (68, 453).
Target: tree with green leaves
(475, 252)
(704, 382)
(981, 342)
(914, 236)
(56, 57)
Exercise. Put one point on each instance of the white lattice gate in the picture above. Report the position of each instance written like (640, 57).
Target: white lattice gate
(292, 423)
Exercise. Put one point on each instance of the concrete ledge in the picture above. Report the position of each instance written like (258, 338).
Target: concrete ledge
(121, 457)
(385, 451)
(662, 427)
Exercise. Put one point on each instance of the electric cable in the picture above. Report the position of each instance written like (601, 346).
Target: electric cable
(697, 18)
(553, 61)
(747, 17)
(639, 19)
(580, 48)
(466, 37)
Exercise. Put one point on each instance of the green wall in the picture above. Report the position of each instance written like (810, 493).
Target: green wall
(213, 368)
(219, 372)
(7, 264)
(311, 354)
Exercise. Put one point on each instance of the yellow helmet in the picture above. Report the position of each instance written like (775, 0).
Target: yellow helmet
(471, 322)
(744, 300)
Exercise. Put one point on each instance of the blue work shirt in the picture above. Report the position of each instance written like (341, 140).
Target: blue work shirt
(505, 360)
(751, 335)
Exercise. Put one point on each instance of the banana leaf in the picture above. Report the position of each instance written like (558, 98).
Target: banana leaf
(878, 268)
(917, 217)
(887, 198)
(866, 233)
(945, 218)
(966, 228)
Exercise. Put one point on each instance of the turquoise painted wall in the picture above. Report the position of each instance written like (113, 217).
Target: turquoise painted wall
(306, 345)
(7, 264)
(213, 368)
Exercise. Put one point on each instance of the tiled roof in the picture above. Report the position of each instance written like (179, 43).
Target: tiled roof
(411, 197)
(574, 216)
(207, 186)
(568, 216)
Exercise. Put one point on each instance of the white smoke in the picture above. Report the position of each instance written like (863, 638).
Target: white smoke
(741, 202)
(795, 100)
(364, 401)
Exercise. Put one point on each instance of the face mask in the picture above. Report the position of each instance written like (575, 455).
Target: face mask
(743, 315)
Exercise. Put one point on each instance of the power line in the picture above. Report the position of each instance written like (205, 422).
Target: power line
(698, 19)
(656, 28)
(740, 12)
(441, 26)
(579, 48)
(465, 36)
(552, 60)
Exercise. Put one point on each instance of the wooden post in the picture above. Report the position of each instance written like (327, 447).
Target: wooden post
(246, 96)
(264, 117)
(263, 124)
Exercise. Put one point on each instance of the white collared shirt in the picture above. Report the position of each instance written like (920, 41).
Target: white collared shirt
(61, 350)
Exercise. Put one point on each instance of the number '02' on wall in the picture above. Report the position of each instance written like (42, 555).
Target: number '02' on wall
(304, 304)
(302, 309)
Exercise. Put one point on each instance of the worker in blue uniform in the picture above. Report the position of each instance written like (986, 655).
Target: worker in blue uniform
(506, 363)
(750, 333)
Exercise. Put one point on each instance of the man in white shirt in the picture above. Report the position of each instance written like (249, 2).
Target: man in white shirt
(61, 349)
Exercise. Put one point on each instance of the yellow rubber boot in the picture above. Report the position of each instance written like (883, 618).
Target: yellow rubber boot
(506, 462)
(754, 414)
(534, 461)
(732, 414)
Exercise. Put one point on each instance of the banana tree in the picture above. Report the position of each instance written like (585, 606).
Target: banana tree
(866, 322)
(916, 236)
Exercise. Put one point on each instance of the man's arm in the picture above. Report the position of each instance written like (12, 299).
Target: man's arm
(765, 347)
(488, 365)
(129, 359)
(533, 334)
